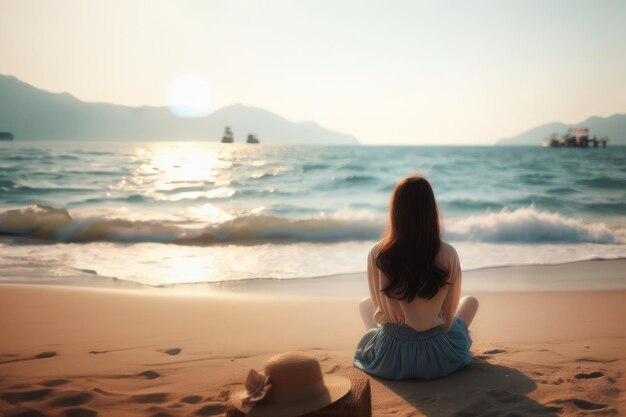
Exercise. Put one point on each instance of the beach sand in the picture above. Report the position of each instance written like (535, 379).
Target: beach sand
(179, 352)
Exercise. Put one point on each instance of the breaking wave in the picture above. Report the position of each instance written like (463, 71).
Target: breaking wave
(54, 224)
(524, 225)
(529, 225)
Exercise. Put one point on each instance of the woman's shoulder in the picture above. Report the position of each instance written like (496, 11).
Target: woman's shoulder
(447, 256)
(373, 253)
(447, 250)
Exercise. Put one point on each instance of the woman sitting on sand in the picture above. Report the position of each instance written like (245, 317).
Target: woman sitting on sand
(418, 323)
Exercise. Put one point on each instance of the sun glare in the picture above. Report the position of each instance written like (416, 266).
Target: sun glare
(189, 96)
(185, 162)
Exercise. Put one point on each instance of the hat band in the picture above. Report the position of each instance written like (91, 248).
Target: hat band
(295, 393)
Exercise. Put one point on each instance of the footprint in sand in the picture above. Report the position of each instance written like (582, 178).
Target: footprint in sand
(54, 382)
(173, 351)
(191, 399)
(587, 405)
(159, 412)
(71, 399)
(157, 398)
(150, 374)
(25, 396)
(591, 375)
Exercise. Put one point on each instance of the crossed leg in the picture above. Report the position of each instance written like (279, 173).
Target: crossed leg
(367, 313)
(468, 306)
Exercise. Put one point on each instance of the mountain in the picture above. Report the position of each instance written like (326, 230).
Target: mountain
(613, 126)
(34, 114)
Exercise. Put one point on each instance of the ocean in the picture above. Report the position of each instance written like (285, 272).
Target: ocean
(168, 213)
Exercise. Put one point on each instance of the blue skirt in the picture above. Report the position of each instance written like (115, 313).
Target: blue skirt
(397, 351)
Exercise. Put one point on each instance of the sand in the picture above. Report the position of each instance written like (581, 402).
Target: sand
(161, 352)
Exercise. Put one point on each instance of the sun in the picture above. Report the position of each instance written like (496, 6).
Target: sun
(189, 96)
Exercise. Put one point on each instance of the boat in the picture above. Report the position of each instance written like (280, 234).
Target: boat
(228, 135)
(575, 137)
(6, 136)
(252, 138)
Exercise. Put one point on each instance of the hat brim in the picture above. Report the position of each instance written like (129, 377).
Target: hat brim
(336, 388)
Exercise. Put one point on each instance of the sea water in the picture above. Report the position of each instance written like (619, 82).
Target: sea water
(186, 212)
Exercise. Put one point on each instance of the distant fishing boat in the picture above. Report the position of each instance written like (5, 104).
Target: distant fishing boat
(252, 139)
(576, 137)
(228, 135)
(6, 136)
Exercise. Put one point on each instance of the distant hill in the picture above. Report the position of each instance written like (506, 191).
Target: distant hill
(34, 114)
(613, 126)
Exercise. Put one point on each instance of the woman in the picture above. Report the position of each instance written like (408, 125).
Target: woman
(418, 323)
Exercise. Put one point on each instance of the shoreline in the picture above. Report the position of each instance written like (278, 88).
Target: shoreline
(584, 275)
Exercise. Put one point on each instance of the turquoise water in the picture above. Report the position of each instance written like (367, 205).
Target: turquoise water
(244, 211)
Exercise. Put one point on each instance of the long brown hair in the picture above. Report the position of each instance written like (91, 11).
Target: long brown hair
(407, 253)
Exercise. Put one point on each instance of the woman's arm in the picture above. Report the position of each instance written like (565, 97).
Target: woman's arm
(451, 303)
(374, 285)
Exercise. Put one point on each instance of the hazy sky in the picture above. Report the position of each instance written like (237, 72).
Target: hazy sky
(389, 72)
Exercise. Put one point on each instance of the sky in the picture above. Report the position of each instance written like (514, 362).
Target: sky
(389, 72)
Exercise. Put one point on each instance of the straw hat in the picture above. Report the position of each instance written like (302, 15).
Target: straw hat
(292, 385)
